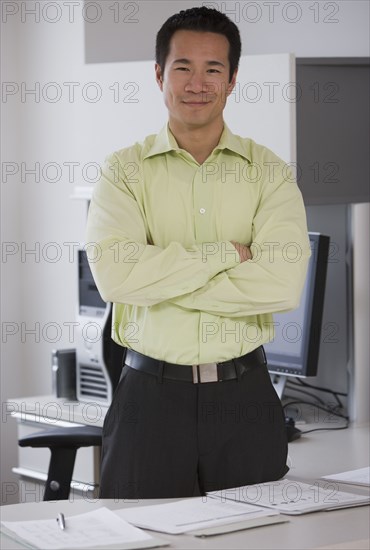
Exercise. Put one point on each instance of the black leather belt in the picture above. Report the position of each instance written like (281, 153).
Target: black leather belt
(206, 372)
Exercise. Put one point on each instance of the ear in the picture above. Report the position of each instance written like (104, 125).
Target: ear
(159, 76)
(232, 83)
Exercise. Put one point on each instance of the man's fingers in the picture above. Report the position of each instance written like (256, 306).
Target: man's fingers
(243, 250)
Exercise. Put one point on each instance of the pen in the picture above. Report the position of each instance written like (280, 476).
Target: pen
(61, 521)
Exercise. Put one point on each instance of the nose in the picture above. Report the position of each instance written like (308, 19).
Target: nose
(196, 83)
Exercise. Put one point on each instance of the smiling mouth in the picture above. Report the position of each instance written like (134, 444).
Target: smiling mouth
(196, 102)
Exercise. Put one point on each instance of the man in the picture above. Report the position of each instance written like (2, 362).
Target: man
(195, 262)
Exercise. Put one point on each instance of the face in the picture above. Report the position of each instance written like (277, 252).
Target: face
(195, 82)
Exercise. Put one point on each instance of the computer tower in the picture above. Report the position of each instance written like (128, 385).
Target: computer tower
(98, 358)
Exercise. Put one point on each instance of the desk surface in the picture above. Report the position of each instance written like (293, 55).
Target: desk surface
(314, 455)
(56, 411)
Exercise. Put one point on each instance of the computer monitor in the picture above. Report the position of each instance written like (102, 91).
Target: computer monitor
(294, 351)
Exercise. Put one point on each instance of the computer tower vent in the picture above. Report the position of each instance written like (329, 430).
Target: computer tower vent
(99, 359)
(92, 382)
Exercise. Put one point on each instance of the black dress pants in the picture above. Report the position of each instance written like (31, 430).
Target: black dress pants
(167, 439)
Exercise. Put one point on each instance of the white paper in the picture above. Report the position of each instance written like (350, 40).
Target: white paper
(101, 527)
(354, 477)
(187, 515)
(292, 497)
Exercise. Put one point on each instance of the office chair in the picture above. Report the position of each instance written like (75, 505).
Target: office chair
(63, 444)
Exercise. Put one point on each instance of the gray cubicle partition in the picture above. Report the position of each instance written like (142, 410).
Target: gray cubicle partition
(333, 173)
(333, 139)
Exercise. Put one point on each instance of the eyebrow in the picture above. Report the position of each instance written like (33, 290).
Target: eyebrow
(186, 61)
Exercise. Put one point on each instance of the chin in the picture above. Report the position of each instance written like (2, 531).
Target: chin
(197, 119)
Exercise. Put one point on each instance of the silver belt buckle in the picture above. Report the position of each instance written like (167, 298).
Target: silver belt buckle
(206, 372)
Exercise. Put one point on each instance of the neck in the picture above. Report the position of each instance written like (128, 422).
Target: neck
(199, 142)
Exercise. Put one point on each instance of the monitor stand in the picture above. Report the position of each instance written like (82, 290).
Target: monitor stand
(279, 381)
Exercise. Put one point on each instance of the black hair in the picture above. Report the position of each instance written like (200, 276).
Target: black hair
(201, 19)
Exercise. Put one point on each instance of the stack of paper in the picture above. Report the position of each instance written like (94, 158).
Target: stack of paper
(218, 512)
(353, 477)
(292, 497)
(100, 528)
(199, 514)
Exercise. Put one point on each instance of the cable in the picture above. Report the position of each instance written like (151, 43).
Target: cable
(304, 383)
(306, 393)
(325, 409)
(320, 388)
(322, 429)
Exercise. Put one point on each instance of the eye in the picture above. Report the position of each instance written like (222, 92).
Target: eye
(181, 69)
(213, 71)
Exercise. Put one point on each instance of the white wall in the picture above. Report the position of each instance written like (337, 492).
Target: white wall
(305, 27)
(39, 293)
(11, 357)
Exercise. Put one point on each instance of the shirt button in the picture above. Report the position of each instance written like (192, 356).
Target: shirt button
(202, 210)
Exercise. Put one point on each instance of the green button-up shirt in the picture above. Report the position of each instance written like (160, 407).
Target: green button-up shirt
(158, 242)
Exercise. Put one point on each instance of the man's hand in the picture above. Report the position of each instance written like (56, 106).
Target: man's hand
(244, 251)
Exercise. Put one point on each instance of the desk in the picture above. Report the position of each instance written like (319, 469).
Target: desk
(302, 532)
(312, 456)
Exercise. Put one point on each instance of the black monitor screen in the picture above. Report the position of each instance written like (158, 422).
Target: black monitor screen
(88, 293)
(295, 348)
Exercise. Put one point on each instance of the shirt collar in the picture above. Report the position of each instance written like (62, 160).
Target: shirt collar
(165, 141)
(234, 143)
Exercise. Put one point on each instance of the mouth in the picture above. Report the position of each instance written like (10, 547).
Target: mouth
(196, 103)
